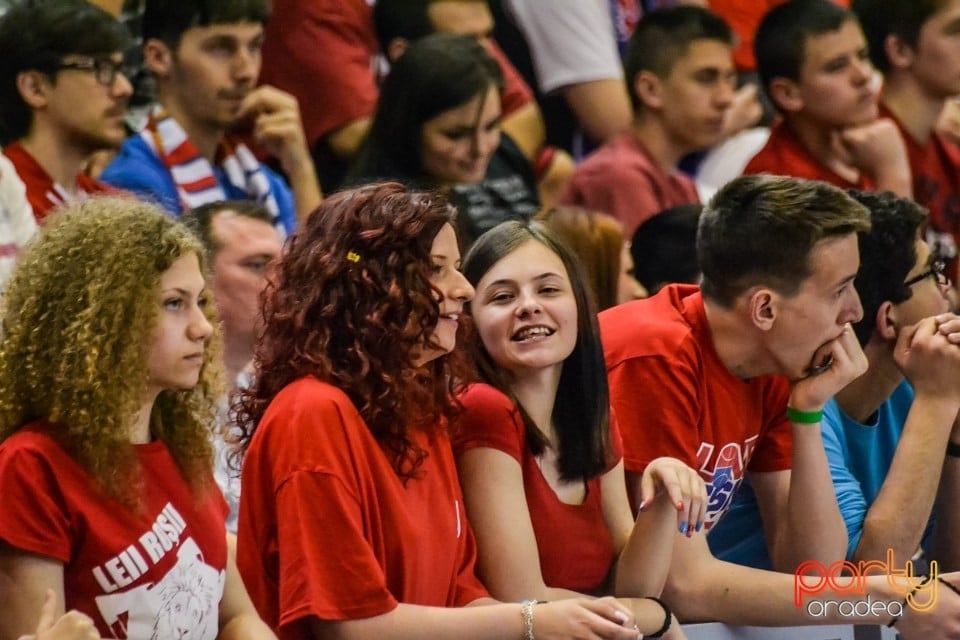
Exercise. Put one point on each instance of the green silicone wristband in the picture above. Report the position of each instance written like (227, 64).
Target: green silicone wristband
(804, 417)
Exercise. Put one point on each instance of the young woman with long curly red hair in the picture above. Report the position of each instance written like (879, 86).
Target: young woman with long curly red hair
(352, 523)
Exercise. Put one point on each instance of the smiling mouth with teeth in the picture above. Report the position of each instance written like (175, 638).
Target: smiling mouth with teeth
(528, 333)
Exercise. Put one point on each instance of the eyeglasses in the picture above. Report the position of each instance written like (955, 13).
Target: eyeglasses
(937, 271)
(104, 69)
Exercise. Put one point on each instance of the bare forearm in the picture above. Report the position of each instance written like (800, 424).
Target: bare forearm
(307, 195)
(943, 546)
(602, 107)
(897, 180)
(642, 567)
(814, 528)
(701, 588)
(413, 622)
(898, 517)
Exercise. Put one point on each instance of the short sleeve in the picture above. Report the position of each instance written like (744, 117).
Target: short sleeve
(570, 41)
(774, 450)
(348, 584)
(490, 420)
(35, 514)
(657, 405)
(850, 497)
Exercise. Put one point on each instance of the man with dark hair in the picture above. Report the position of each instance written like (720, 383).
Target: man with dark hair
(813, 63)
(914, 43)
(205, 57)
(679, 68)
(731, 378)
(63, 96)
(241, 242)
(885, 433)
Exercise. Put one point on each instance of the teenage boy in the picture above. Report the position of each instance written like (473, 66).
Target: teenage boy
(813, 63)
(679, 66)
(885, 431)
(63, 96)
(915, 45)
(732, 378)
(205, 57)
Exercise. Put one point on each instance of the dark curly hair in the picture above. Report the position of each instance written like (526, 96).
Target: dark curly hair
(351, 303)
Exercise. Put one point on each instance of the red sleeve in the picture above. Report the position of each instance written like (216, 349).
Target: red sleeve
(489, 419)
(469, 587)
(327, 567)
(657, 403)
(322, 52)
(34, 514)
(516, 92)
(774, 450)
(345, 585)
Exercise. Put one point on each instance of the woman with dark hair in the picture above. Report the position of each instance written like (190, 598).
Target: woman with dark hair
(352, 524)
(597, 241)
(538, 453)
(437, 126)
(109, 382)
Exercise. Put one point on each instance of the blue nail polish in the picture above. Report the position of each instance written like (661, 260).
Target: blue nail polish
(683, 528)
(699, 526)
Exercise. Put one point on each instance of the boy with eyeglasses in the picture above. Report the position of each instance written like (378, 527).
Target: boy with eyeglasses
(63, 96)
(891, 436)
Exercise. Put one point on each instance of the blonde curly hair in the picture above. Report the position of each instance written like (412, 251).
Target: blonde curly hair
(78, 314)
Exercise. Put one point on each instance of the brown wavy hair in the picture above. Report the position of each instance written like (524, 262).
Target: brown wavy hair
(79, 308)
(350, 303)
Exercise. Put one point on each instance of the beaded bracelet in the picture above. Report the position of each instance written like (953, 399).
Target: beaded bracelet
(667, 620)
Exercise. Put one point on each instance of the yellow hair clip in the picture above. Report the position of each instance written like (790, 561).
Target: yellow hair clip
(353, 256)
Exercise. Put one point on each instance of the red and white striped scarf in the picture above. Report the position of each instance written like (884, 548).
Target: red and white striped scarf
(193, 174)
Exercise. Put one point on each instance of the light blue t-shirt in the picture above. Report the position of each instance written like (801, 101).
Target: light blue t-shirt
(859, 456)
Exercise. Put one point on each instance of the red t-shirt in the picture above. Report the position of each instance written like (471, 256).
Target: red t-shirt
(339, 85)
(674, 397)
(491, 420)
(935, 165)
(622, 179)
(328, 530)
(159, 573)
(785, 155)
(42, 192)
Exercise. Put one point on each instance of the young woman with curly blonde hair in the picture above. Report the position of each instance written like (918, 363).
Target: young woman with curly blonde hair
(109, 382)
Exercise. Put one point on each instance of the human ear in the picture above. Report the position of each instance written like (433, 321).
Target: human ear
(785, 93)
(885, 322)
(763, 309)
(33, 87)
(647, 86)
(157, 57)
(899, 53)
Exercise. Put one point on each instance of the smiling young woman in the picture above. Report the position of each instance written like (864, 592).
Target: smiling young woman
(538, 452)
